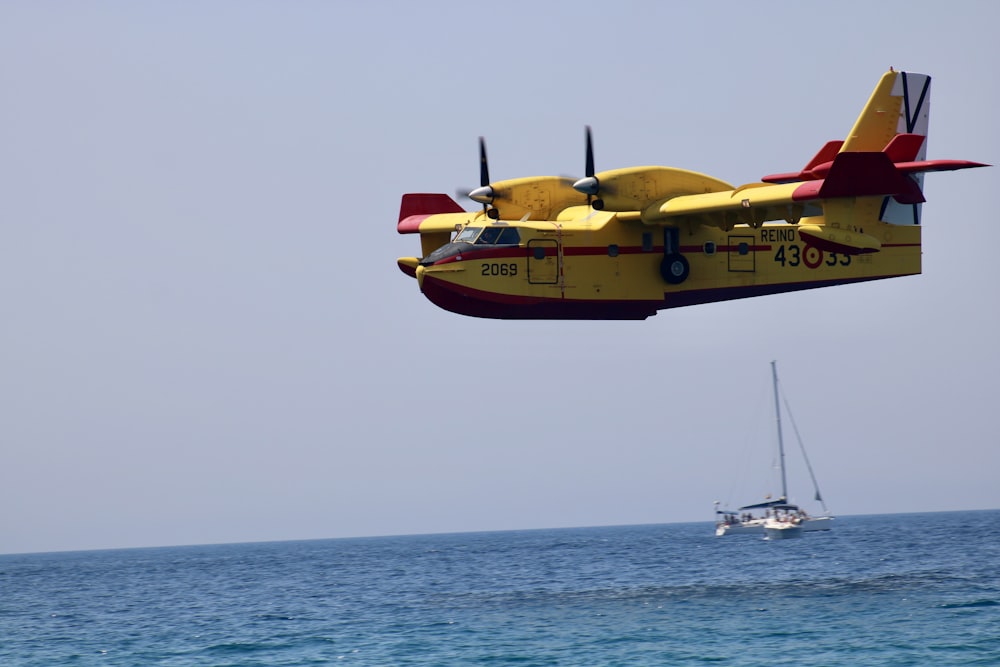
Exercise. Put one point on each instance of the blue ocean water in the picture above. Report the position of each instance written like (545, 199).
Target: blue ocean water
(910, 589)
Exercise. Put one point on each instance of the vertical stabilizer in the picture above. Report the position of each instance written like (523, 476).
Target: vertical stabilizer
(900, 104)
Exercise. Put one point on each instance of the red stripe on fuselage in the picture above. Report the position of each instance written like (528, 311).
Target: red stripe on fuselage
(475, 253)
(596, 251)
(486, 253)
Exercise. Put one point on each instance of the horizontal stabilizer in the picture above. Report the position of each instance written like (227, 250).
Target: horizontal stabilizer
(937, 165)
(864, 174)
(823, 158)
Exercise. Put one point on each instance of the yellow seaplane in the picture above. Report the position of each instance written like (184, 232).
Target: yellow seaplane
(625, 243)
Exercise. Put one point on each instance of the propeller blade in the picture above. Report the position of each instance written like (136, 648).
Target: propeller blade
(589, 184)
(484, 169)
(484, 193)
(590, 155)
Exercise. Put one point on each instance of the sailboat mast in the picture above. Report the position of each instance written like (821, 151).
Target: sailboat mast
(781, 444)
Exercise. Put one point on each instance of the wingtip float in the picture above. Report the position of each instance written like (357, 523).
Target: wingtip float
(626, 243)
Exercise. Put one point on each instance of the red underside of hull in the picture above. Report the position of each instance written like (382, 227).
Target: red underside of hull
(475, 303)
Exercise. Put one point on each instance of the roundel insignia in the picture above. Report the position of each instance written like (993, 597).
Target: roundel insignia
(812, 256)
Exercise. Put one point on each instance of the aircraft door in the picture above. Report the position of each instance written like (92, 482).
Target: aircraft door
(741, 254)
(543, 261)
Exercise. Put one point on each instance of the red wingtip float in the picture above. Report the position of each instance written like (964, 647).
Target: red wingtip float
(625, 243)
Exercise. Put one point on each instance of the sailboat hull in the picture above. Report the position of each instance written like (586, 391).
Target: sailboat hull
(777, 530)
(756, 526)
(817, 523)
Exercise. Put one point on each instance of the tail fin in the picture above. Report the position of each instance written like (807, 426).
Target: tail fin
(885, 153)
(900, 104)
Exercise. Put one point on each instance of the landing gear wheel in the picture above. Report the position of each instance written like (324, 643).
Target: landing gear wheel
(598, 204)
(674, 268)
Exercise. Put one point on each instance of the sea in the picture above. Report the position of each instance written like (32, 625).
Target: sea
(900, 589)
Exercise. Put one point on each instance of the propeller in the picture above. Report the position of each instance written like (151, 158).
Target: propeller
(589, 184)
(484, 194)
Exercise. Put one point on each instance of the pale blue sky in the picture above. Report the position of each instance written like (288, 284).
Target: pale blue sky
(206, 338)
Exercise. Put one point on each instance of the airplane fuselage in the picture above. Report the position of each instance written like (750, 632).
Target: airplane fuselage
(592, 265)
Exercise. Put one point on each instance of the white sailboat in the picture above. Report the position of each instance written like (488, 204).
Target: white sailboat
(782, 529)
(776, 518)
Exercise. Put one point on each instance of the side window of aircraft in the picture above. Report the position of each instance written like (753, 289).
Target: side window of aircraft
(468, 235)
(709, 248)
(613, 250)
(743, 249)
(509, 236)
(647, 242)
(489, 236)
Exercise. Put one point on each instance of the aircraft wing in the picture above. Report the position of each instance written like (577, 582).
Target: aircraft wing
(434, 216)
(751, 204)
(428, 213)
(533, 197)
(855, 174)
(433, 223)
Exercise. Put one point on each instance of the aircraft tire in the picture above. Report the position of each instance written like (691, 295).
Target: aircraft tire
(674, 268)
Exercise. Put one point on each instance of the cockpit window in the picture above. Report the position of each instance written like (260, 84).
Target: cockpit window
(508, 236)
(499, 235)
(489, 236)
(468, 235)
